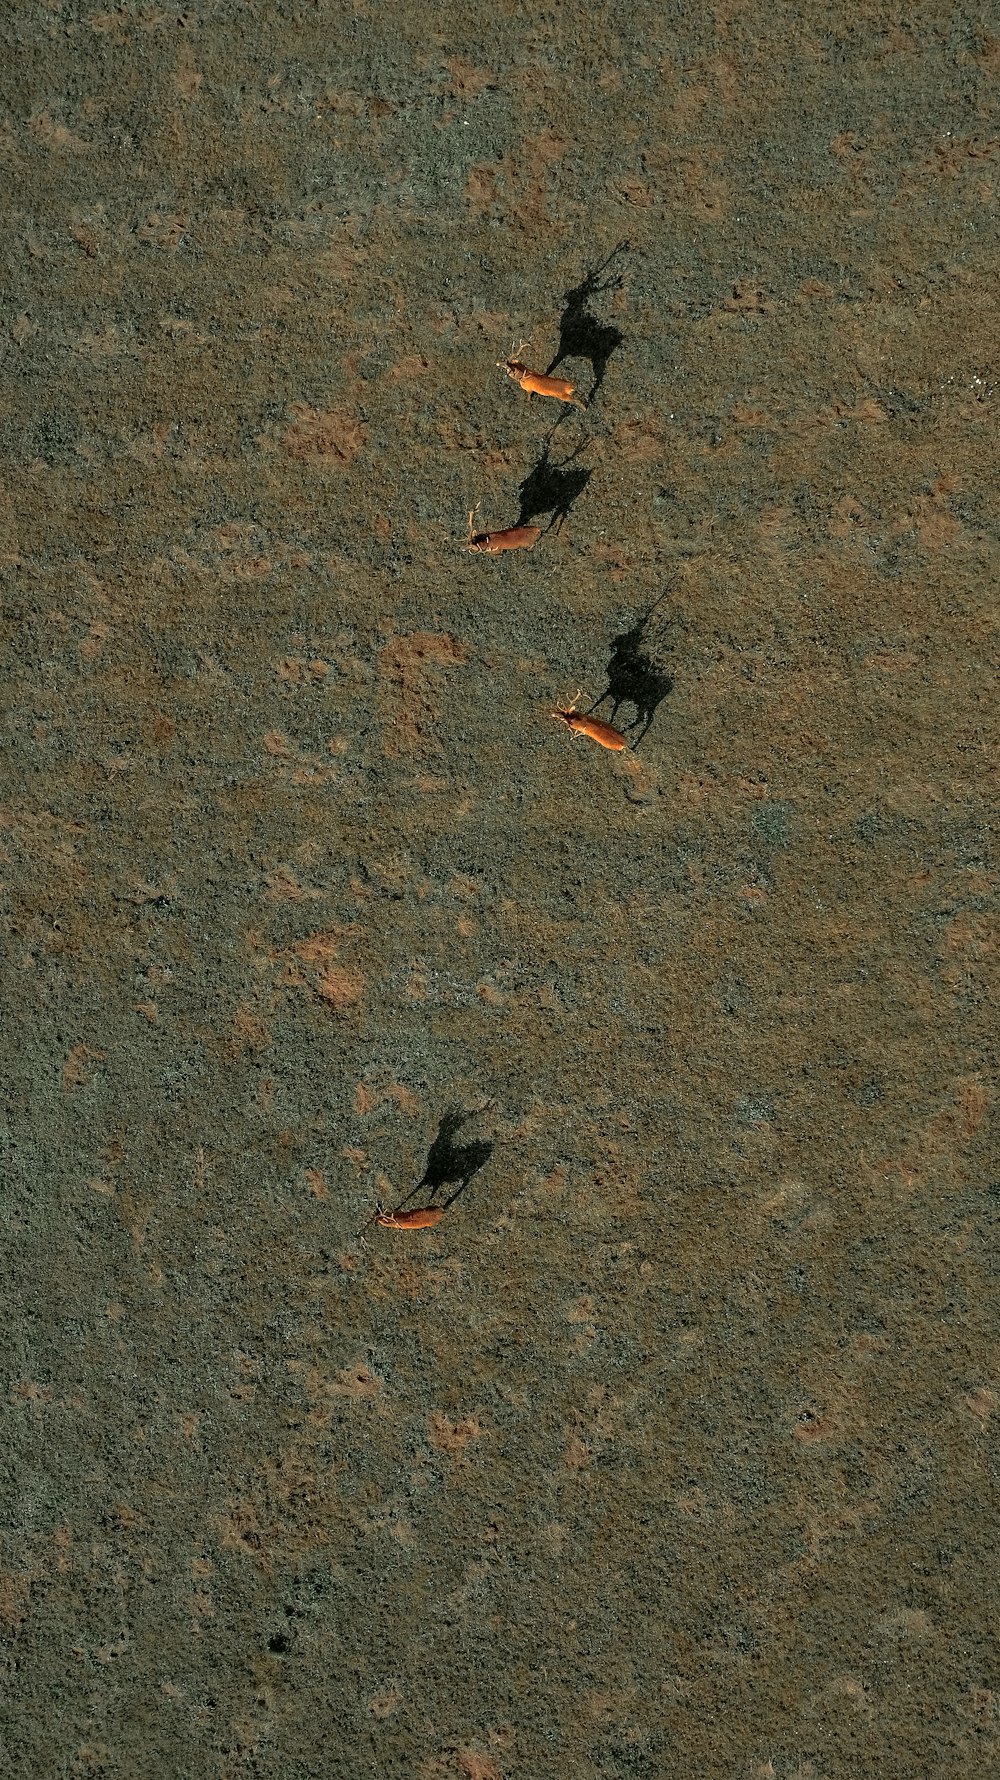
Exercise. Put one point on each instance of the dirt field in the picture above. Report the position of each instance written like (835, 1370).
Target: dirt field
(671, 1450)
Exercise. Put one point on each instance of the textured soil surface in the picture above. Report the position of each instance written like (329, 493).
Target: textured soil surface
(671, 1450)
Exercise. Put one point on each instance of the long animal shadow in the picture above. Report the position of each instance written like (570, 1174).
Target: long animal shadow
(635, 676)
(584, 335)
(449, 1162)
(552, 488)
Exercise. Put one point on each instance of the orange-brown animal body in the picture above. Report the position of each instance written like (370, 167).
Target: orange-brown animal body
(536, 383)
(516, 537)
(603, 733)
(422, 1219)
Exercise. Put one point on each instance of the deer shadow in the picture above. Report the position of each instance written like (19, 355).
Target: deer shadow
(552, 488)
(635, 677)
(449, 1161)
(584, 335)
